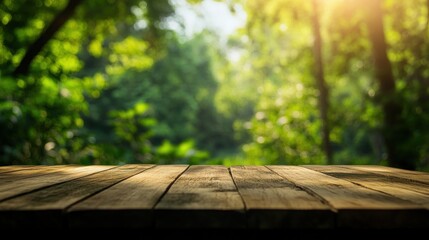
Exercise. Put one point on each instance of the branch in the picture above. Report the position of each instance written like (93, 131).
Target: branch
(34, 49)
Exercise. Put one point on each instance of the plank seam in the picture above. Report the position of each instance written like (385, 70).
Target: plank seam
(238, 190)
(398, 178)
(307, 190)
(13, 170)
(154, 218)
(54, 184)
(314, 194)
(241, 197)
(49, 171)
(27, 177)
(169, 186)
(380, 191)
(104, 188)
(64, 211)
(391, 178)
(246, 225)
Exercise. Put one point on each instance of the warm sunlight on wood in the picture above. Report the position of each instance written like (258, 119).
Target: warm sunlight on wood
(216, 197)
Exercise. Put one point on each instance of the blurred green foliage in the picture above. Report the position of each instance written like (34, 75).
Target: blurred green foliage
(275, 74)
(116, 86)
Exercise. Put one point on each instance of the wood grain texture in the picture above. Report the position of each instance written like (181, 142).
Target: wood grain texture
(5, 169)
(273, 202)
(203, 196)
(397, 187)
(177, 196)
(357, 205)
(127, 204)
(10, 189)
(394, 172)
(45, 207)
(17, 175)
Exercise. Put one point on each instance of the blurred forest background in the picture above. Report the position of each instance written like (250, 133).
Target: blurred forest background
(298, 82)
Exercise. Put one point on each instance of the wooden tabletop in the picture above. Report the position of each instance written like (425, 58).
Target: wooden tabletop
(182, 196)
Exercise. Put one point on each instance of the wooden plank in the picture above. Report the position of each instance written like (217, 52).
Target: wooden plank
(202, 197)
(12, 168)
(10, 189)
(400, 188)
(44, 208)
(127, 204)
(357, 206)
(393, 172)
(274, 202)
(17, 175)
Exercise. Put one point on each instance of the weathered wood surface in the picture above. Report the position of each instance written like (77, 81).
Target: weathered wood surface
(44, 207)
(131, 200)
(395, 173)
(181, 196)
(13, 188)
(4, 169)
(356, 206)
(203, 196)
(415, 192)
(11, 175)
(272, 201)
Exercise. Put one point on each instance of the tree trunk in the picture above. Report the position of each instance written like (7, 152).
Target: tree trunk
(427, 14)
(34, 49)
(321, 84)
(395, 131)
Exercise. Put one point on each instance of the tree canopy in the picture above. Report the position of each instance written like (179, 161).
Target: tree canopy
(300, 82)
